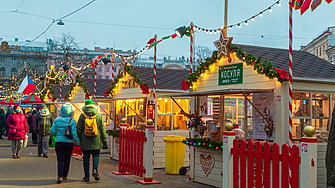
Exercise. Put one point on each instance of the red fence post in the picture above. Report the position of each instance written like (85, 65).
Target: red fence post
(149, 155)
(250, 154)
(267, 162)
(235, 163)
(285, 166)
(275, 165)
(243, 172)
(259, 165)
(122, 148)
(294, 166)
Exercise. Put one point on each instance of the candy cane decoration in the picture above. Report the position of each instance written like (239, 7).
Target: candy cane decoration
(71, 74)
(95, 78)
(191, 50)
(113, 64)
(290, 74)
(60, 85)
(155, 59)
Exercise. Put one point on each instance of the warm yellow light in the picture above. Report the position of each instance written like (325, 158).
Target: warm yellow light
(120, 80)
(159, 98)
(165, 100)
(201, 74)
(190, 86)
(52, 66)
(179, 100)
(117, 84)
(141, 100)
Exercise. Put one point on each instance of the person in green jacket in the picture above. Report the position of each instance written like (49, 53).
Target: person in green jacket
(91, 145)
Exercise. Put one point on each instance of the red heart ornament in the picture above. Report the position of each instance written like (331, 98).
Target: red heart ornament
(206, 162)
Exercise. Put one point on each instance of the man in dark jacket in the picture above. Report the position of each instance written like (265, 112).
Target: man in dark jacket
(30, 123)
(9, 111)
(42, 123)
(2, 121)
(91, 145)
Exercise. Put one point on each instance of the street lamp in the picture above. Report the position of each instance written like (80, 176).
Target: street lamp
(181, 31)
(60, 22)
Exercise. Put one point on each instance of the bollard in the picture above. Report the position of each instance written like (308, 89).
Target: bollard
(227, 160)
(308, 158)
(122, 145)
(149, 151)
(191, 157)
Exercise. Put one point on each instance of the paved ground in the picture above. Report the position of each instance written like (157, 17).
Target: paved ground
(33, 171)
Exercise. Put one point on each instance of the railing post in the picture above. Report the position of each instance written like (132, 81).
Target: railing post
(122, 148)
(149, 154)
(308, 159)
(191, 156)
(227, 172)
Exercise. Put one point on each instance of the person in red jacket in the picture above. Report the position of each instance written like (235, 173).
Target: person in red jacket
(18, 129)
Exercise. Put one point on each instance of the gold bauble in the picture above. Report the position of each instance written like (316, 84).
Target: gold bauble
(150, 122)
(123, 120)
(309, 131)
(229, 126)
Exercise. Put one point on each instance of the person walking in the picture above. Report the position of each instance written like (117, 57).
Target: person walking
(30, 123)
(91, 132)
(9, 111)
(17, 130)
(64, 139)
(41, 125)
(2, 121)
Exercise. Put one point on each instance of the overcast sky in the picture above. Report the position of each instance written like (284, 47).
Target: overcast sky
(143, 19)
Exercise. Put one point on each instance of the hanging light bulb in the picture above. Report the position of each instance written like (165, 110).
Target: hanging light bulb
(253, 19)
(221, 27)
(246, 22)
(210, 31)
(230, 27)
(239, 25)
(278, 3)
(207, 31)
(214, 31)
(270, 9)
(261, 14)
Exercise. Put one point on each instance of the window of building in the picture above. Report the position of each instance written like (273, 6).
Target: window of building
(323, 49)
(320, 52)
(15, 60)
(37, 61)
(13, 72)
(114, 69)
(317, 52)
(92, 75)
(3, 71)
(107, 69)
(100, 68)
(107, 77)
(100, 77)
(2, 60)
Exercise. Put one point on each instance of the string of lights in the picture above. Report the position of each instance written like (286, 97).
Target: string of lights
(239, 24)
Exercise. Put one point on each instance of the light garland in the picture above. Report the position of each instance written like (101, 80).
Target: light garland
(239, 24)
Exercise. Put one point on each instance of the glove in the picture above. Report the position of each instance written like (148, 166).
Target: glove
(104, 146)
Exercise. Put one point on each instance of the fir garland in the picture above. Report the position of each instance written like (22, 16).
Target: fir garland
(262, 67)
(80, 84)
(132, 73)
(113, 133)
(45, 92)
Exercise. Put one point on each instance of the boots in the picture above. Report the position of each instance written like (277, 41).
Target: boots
(95, 175)
(86, 178)
(59, 180)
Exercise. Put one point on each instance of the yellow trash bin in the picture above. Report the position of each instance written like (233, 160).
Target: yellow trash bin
(174, 154)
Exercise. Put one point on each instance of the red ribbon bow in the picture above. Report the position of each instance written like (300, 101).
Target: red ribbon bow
(184, 85)
(87, 96)
(282, 73)
(145, 89)
(106, 93)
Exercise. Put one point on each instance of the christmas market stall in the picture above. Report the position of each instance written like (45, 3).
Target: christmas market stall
(247, 87)
(133, 96)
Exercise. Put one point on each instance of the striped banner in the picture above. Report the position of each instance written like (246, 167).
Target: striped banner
(315, 4)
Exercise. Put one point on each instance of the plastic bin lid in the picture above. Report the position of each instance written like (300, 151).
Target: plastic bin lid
(174, 138)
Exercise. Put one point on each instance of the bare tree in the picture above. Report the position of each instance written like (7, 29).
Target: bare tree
(66, 44)
(202, 52)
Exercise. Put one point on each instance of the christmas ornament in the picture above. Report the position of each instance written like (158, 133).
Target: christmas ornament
(184, 85)
(223, 45)
(145, 89)
(282, 73)
(87, 96)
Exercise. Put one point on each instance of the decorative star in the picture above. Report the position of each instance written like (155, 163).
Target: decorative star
(223, 45)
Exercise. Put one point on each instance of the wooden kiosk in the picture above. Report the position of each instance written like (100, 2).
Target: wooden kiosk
(234, 90)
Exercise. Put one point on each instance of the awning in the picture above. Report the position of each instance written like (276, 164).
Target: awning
(219, 92)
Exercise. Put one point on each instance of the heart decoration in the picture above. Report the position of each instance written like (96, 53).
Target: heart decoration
(116, 145)
(206, 162)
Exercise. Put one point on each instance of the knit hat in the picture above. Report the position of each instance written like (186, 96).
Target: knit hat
(16, 106)
(38, 107)
(43, 106)
(89, 102)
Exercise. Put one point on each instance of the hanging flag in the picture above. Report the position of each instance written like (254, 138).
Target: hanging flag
(174, 36)
(315, 4)
(167, 37)
(27, 86)
(151, 41)
(298, 4)
(100, 56)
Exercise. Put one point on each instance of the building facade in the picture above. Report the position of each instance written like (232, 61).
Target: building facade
(18, 59)
(322, 44)
(169, 63)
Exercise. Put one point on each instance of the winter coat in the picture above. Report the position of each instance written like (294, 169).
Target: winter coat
(91, 143)
(2, 119)
(31, 120)
(18, 122)
(60, 124)
(43, 122)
